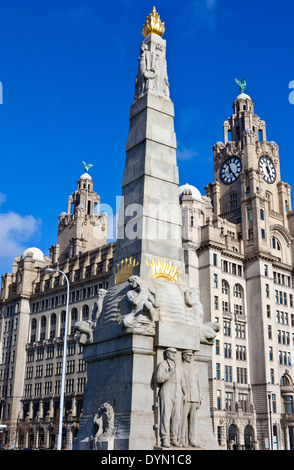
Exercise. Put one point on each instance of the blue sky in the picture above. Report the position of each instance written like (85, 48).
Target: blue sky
(68, 70)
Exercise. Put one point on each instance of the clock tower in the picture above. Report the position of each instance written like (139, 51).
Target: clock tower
(246, 255)
(247, 189)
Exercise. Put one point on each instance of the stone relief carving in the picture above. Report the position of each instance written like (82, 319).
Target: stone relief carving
(168, 376)
(191, 400)
(152, 72)
(208, 330)
(180, 398)
(103, 425)
(143, 301)
(85, 328)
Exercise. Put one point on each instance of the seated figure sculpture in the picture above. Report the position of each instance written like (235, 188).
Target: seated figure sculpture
(143, 300)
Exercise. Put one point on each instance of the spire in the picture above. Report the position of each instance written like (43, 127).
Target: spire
(149, 226)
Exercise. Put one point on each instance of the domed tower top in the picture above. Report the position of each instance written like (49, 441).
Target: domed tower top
(82, 227)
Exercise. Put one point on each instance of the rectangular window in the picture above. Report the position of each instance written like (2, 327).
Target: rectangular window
(227, 350)
(262, 233)
(227, 328)
(217, 370)
(268, 311)
(241, 375)
(228, 373)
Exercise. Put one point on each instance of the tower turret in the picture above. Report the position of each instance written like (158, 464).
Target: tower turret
(82, 227)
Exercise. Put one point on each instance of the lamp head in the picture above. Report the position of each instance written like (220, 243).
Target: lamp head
(49, 270)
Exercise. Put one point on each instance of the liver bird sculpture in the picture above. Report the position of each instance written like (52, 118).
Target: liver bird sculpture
(241, 83)
(86, 166)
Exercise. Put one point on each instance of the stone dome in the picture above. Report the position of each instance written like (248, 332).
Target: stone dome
(243, 96)
(37, 254)
(188, 187)
(85, 176)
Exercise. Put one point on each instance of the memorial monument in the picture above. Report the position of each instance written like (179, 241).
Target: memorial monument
(147, 347)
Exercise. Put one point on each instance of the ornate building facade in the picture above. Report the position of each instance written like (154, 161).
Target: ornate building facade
(242, 261)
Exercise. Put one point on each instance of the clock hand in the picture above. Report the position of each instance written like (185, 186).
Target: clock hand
(232, 171)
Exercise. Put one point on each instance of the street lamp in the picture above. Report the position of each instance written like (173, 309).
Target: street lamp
(61, 403)
(270, 418)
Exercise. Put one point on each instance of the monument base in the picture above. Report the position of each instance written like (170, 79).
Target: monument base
(121, 403)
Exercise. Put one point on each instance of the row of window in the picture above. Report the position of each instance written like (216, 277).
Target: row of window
(50, 369)
(282, 279)
(51, 351)
(74, 296)
(48, 327)
(282, 298)
(284, 357)
(240, 329)
(240, 351)
(227, 374)
(46, 388)
(243, 401)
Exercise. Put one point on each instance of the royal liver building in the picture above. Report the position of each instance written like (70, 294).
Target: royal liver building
(180, 334)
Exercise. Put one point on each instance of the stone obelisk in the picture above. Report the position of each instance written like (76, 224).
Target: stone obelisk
(149, 308)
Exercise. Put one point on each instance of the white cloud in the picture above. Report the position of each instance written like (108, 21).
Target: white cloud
(186, 154)
(204, 12)
(15, 231)
(2, 198)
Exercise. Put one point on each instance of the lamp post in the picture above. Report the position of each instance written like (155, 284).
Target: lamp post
(270, 418)
(61, 402)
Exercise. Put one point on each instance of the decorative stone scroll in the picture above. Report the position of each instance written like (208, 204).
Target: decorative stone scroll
(208, 330)
(86, 328)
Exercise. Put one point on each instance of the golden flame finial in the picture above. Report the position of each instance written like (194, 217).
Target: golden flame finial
(153, 24)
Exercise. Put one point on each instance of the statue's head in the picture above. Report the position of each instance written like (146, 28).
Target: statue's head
(101, 294)
(134, 281)
(187, 355)
(191, 296)
(171, 353)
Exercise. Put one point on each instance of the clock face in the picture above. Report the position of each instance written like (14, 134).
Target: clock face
(230, 170)
(266, 166)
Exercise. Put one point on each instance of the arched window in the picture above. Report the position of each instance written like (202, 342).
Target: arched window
(43, 328)
(52, 325)
(62, 316)
(276, 244)
(238, 291)
(85, 312)
(248, 437)
(33, 330)
(74, 314)
(233, 436)
(225, 287)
